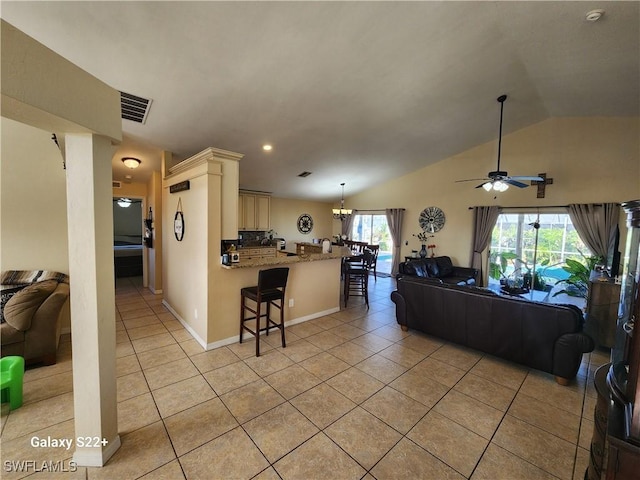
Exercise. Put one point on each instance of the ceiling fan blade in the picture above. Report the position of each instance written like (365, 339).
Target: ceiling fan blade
(515, 183)
(481, 185)
(528, 179)
(471, 180)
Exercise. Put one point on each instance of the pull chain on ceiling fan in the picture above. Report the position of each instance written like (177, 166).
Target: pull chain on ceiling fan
(499, 180)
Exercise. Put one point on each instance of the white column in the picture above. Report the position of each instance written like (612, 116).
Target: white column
(90, 227)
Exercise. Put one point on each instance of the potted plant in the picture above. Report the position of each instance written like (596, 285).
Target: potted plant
(577, 284)
(498, 265)
(423, 237)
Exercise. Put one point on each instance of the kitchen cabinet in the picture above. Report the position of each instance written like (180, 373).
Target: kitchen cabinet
(254, 211)
(256, 253)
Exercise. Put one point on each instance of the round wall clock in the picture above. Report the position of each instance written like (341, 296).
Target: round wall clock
(178, 226)
(305, 223)
(431, 219)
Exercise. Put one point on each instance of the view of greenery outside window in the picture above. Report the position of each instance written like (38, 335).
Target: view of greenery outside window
(373, 229)
(558, 241)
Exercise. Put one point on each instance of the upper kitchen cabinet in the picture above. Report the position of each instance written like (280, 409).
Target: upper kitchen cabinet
(254, 211)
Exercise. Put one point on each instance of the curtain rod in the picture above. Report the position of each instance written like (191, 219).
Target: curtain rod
(375, 210)
(545, 206)
(527, 206)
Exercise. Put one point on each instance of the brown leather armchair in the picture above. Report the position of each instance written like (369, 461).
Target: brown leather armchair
(31, 326)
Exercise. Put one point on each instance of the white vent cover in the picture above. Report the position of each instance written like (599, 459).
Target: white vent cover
(134, 108)
(116, 184)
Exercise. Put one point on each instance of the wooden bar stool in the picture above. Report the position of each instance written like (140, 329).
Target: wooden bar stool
(271, 287)
(356, 278)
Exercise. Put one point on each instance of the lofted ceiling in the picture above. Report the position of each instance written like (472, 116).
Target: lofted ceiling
(353, 92)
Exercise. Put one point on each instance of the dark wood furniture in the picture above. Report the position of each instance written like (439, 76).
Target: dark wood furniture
(356, 277)
(602, 312)
(271, 287)
(617, 456)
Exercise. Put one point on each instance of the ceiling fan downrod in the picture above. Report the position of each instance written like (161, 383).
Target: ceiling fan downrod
(500, 99)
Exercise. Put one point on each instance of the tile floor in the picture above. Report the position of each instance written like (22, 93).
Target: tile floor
(352, 396)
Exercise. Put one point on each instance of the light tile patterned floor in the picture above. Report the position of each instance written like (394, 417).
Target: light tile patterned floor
(352, 396)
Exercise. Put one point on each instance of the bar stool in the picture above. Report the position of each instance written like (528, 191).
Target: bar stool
(11, 375)
(271, 287)
(356, 278)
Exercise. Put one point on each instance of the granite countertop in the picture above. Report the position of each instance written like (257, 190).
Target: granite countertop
(338, 252)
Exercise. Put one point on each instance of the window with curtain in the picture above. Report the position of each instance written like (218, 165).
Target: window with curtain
(557, 241)
(373, 229)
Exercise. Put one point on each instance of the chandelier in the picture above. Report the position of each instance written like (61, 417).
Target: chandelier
(341, 213)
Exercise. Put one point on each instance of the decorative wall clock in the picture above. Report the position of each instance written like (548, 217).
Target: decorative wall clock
(431, 219)
(178, 222)
(305, 223)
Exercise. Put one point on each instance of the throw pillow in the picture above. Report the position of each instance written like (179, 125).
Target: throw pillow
(445, 266)
(20, 308)
(432, 268)
(8, 291)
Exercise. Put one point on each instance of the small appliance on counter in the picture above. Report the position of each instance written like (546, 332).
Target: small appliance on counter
(229, 251)
(281, 244)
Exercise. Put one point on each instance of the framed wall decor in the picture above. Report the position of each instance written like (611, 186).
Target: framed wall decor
(178, 222)
(431, 219)
(305, 223)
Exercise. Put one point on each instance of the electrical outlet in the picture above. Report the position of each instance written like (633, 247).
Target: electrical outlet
(195, 313)
(291, 302)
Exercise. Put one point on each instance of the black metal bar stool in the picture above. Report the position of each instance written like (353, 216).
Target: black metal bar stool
(271, 287)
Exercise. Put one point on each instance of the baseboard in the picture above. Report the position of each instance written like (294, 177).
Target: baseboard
(191, 331)
(96, 457)
(154, 291)
(295, 321)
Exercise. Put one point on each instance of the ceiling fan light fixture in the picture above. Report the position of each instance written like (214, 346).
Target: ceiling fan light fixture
(500, 186)
(131, 162)
(487, 186)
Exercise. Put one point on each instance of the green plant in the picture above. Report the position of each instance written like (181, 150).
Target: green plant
(499, 263)
(577, 284)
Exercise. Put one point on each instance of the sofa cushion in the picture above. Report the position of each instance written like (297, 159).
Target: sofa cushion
(8, 291)
(444, 266)
(20, 308)
(416, 268)
(432, 268)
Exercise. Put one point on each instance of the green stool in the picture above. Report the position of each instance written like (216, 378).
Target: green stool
(11, 374)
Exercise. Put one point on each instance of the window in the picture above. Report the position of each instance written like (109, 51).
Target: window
(557, 241)
(373, 229)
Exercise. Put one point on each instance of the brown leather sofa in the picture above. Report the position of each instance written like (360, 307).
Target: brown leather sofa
(440, 269)
(543, 336)
(31, 320)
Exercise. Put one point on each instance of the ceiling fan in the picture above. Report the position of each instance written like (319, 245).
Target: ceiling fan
(500, 180)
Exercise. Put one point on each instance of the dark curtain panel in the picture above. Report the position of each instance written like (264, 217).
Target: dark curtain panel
(484, 219)
(394, 221)
(596, 225)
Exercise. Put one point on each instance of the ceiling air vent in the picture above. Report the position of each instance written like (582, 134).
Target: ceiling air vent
(304, 174)
(116, 184)
(134, 108)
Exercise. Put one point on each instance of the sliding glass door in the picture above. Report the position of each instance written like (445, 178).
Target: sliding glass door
(373, 229)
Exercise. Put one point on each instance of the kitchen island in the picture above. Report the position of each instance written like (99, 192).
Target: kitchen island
(337, 253)
(313, 291)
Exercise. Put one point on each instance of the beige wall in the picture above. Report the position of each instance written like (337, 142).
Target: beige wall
(33, 197)
(589, 159)
(185, 264)
(284, 219)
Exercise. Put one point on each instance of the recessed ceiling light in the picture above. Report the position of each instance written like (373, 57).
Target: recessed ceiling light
(595, 15)
(267, 148)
